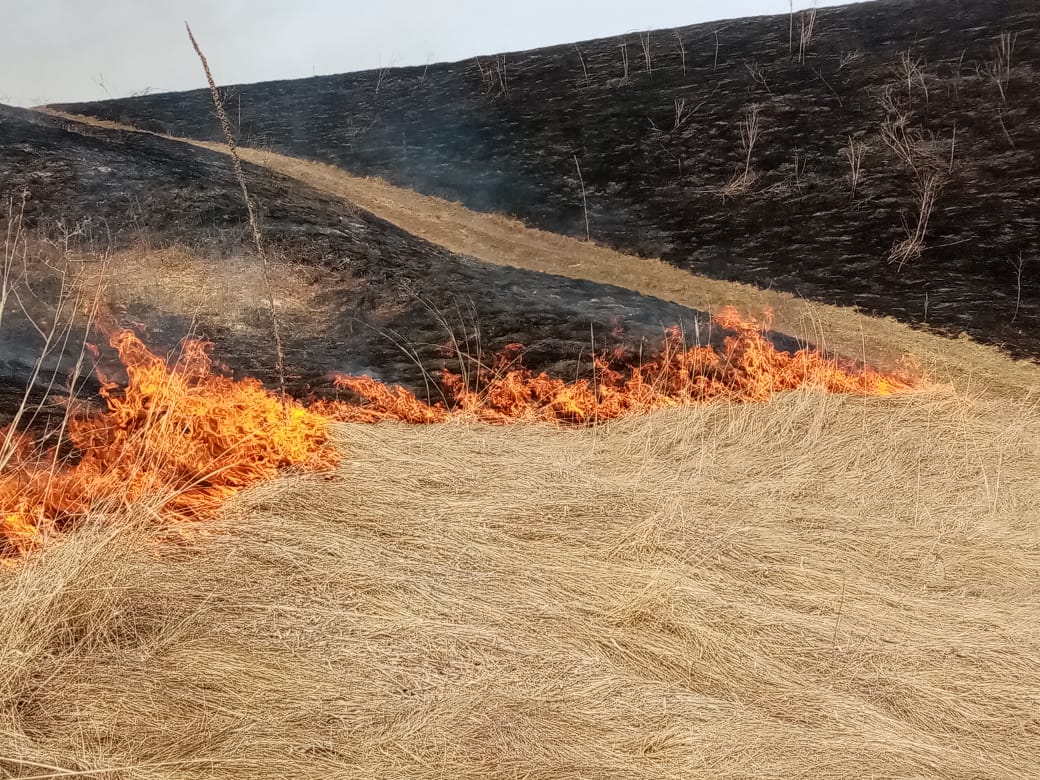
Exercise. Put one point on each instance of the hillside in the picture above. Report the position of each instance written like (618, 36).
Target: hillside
(916, 86)
(733, 549)
(162, 226)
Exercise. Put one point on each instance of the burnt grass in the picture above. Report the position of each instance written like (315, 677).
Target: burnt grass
(396, 302)
(658, 145)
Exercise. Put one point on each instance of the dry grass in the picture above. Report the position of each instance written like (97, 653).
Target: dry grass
(821, 586)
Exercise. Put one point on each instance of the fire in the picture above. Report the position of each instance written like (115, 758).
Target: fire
(182, 439)
(178, 438)
(747, 369)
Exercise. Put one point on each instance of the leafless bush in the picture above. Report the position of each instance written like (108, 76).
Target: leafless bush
(911, 247)
(683, 112)
(922, 157)
(750, 132)
(912, 71)
(755, 71)
(853, 152)
(849, 57)
(381, 75)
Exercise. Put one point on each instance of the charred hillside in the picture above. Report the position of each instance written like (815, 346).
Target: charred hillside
(161, 226)
(884, 155)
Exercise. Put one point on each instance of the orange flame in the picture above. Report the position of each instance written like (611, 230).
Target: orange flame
(747, 369)
(183, 439)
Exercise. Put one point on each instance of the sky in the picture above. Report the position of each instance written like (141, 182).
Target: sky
(72, 50)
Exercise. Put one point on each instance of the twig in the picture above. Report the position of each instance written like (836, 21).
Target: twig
(1018, 280)
(584, 199)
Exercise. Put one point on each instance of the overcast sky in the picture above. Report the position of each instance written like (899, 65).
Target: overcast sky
(67, 50)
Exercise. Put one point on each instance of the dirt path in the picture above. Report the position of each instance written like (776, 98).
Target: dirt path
(499, 240)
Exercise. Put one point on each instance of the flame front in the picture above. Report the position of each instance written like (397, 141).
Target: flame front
(178, 438)
(181, 440)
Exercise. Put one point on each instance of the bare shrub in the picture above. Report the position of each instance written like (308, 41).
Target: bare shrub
(755, 71)
(912, 71)
(848, 58)
(750, 132)
(922, 157)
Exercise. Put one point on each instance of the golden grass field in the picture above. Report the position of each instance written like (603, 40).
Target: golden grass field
(819, 586)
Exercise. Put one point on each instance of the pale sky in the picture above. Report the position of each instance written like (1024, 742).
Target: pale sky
(68, 50)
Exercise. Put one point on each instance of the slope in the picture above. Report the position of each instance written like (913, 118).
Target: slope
(161, 227)
(931, 97)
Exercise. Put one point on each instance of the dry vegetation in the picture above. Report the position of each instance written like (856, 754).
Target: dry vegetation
(820, 586)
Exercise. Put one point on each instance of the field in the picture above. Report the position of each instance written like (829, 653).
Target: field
(497, 518)
(821, 586)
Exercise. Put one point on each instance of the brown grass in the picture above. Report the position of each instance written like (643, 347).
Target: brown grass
(821, 586)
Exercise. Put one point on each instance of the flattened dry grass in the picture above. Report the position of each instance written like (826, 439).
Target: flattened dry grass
(821, 586)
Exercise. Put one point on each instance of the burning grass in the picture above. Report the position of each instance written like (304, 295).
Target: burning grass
(183, 439)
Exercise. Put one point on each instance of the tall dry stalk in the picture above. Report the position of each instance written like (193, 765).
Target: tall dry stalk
(254, 225)
(808, 26)
(645, 45)
(584, 199)
(853, 153)
(750, 131)
(999, 67)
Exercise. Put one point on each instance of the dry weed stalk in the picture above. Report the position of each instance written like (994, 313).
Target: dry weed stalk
(381, 75)
(808, 27)
(584, 70)
(682, 113)
(927, 167)
(999, 67)
(624, 62)
(494, 78)
(584, 199)
(913, 71)
(254, 224)
(750, 132)
(755, 71)
(72, 307)
(853, 153)
(682, 51)
(1018, 266)
(849, 57)
(911, 247)
(646, 45)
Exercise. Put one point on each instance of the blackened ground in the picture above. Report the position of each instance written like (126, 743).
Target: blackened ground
(657, 148)
(388, 304)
